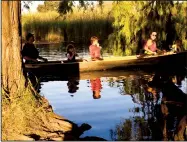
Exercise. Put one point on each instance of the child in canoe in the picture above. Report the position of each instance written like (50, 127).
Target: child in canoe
(177, 47)
(71, 53)
(95, 49)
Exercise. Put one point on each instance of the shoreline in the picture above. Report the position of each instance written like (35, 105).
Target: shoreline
(46, 42)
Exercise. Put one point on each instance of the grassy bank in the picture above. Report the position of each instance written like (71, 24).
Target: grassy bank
(26, 115)
(78, 26)
(16, 113)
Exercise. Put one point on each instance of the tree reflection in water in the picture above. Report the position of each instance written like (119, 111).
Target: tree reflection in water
(163, 108)
(162, 105)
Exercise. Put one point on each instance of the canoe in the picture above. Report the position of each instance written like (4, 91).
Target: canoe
(172, 61)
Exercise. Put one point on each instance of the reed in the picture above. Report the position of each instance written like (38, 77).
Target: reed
(78, 26)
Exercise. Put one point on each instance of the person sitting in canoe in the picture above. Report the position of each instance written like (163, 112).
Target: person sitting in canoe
(150, 46)
(177, 47)
(95, 49)
(30, 53)
(71, 53)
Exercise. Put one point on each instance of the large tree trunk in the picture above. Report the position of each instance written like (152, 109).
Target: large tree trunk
(27, 115)
(12, 75)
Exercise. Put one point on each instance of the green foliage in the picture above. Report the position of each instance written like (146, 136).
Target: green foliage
(179, 12)
(48, 6)
(65, 6)
(133, 22)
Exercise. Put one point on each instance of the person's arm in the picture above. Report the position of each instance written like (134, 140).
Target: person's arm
(28, 58)
(39, 57)
(70, 56)
(179, 49)
(146, 47)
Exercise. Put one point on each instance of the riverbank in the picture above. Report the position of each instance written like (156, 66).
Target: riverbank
(29, 116)
(47, 43)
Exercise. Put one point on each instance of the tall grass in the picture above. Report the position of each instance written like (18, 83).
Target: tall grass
(79, 26)
(17, 110)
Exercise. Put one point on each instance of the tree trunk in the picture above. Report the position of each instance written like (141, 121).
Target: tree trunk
(12, 75)
(27, 117)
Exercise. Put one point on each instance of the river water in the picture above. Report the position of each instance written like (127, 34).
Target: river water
(119, 105)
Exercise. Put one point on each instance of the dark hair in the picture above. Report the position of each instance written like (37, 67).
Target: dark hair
(152, 32)
(94, 97)
(29, 35)
(70, 46)
(178, 41)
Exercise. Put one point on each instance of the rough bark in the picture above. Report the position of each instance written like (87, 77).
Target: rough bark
(29, 116)
(12, 75)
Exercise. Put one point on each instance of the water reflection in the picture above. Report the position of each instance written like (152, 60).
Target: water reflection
(73, 85)
(164, 108)
(144, 107)
(96, 87)
(57, 51)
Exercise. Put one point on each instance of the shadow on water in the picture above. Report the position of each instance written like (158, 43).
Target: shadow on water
(154, 88)
(157, 91)
(164, 108)
(162, 103)
(72, 85)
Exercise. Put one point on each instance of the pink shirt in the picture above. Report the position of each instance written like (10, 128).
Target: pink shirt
(152, 47)
(94, 51)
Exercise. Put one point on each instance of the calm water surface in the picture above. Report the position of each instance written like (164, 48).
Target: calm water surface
(57, 51)
(118, 106)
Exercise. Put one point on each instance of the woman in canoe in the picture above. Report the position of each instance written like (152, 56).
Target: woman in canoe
(29, 52)
(150, 46)
(95, 49)
(71, 53)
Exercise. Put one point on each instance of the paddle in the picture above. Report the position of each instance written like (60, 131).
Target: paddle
(84, 60)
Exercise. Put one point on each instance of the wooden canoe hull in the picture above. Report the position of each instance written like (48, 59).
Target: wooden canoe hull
(160, 62)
